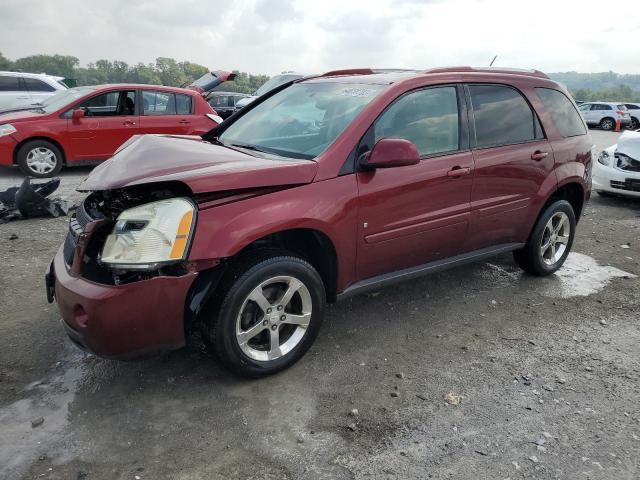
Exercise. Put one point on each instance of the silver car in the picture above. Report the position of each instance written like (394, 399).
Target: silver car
(605, 114)
(19, 89)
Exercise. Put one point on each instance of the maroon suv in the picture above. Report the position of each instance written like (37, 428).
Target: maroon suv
(326, 187)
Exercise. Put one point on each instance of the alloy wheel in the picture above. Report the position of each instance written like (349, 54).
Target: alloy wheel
(274, 318)
(41, 160)
(555, 238)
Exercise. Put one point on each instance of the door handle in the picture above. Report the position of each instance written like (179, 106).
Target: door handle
(539, 155)
(128, 123)
(458, 172)
(183, 121)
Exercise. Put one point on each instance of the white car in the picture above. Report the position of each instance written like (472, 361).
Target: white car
(634, 111)
(617, 170)
(605, 114)
(19, 89)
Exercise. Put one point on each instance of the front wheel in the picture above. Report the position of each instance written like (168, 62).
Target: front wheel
(635, 124)
(550, 241)
(40, 159)
(268, 314)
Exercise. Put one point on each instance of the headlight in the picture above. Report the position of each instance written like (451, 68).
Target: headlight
(149, 235)
(7, 129)
(604, 158)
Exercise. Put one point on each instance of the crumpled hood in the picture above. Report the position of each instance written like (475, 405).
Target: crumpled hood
(202, 166)
(629, 144)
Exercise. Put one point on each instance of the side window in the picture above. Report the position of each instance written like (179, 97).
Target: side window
(428, 118)
(158, 103)
(605, 107)
(184, 104)
(219, 101)
(562, 111)
(502, 116)
(110, 104)
(10, 84)
(35, 85)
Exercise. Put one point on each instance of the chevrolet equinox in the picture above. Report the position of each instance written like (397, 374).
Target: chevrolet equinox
(327, 186)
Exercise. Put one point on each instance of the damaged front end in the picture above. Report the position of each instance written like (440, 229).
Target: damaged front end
(109, 245)
(624, 162)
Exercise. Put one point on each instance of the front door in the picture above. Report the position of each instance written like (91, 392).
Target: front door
(110, 120)
(512, 160)
(416, 214)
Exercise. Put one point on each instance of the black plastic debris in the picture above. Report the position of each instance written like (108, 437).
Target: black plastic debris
(30, 200)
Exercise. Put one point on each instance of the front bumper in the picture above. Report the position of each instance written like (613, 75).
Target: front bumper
(120, 321)
(614, 180)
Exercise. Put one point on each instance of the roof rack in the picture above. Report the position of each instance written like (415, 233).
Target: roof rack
(509, 71)
(365, 71)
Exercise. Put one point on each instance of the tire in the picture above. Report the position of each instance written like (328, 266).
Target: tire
(40, 159)
(537, 260)
(607, 124)
(635, 124)
(246, 314)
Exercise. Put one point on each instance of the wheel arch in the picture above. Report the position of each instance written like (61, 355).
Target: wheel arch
(39, 137)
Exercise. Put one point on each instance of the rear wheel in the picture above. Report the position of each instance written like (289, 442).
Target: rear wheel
(268, 314)
(40, 159)
(550, 241)
(607, 124)
(635, 124)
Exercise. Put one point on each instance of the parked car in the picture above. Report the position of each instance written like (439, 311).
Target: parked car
(330, 187)
(224, 103)
(617, 170)
(19, 89)
(634, 112)
(87, 124)
(273, 82)
(605, 114)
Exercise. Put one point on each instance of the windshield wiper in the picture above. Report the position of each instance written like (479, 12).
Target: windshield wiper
(248, 146)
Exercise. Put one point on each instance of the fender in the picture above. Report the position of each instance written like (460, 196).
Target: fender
(329, 207)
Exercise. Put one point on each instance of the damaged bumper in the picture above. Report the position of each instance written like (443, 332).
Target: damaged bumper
(613, 180)
(120, 321)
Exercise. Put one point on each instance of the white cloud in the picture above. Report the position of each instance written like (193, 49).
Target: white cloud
(269, 36)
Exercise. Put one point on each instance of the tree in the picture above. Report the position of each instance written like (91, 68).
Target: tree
(5, 63)
(62, 65)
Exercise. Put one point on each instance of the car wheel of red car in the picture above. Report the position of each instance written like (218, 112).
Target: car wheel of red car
(268, 313)
(40, 159)
(550, 241)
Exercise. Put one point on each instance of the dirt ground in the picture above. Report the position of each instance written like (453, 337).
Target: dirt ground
(542, 378)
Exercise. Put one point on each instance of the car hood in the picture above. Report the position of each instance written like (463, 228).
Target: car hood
(20, 115)
(204, 167)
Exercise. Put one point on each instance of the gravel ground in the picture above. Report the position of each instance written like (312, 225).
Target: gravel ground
(478, 372)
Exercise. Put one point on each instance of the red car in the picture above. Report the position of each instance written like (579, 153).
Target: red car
(87, 124)
(324, 188)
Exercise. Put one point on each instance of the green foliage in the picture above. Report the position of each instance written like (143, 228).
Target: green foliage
(621, 93)
(603, 86)
(165, 71)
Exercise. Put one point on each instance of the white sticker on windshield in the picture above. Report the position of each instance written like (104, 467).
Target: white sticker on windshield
(357, 92)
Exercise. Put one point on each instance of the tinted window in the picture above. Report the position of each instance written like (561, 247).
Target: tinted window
(562, 111)
(110, 104)
(428, 118)
(502, 116)
(632, 106)
(35, 85)
(158, 103)
(220, 101)
(184, 104)
(9, 84)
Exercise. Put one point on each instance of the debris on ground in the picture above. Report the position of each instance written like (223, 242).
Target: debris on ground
(37, 422)
(453, 399)
(30, 200)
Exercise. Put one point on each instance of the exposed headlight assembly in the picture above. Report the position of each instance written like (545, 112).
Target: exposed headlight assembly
(150, 235)
(604, 158)
(7, 129)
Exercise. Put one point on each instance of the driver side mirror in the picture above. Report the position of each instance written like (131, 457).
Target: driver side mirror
(390, 153)
(77, 115)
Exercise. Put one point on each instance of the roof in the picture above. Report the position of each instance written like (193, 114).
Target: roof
(30, 75)
(143, 86)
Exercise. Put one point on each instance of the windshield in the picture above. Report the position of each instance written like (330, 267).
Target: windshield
(274, 82)
(63, 98)
(302, 120)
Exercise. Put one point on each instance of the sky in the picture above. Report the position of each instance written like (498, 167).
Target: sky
(312, 36)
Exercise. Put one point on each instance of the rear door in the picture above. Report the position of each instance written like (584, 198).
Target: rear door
(13, 92)
(110, 120)
(165, 112)
(512, 160)
(416, 214)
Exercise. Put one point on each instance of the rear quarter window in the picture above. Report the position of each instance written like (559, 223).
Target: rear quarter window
(564, 115)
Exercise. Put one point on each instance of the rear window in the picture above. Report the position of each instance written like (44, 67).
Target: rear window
(35, 85)
(564, 115)
(9, 84)
(502, 116)
(184, 104)
(622, 107)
